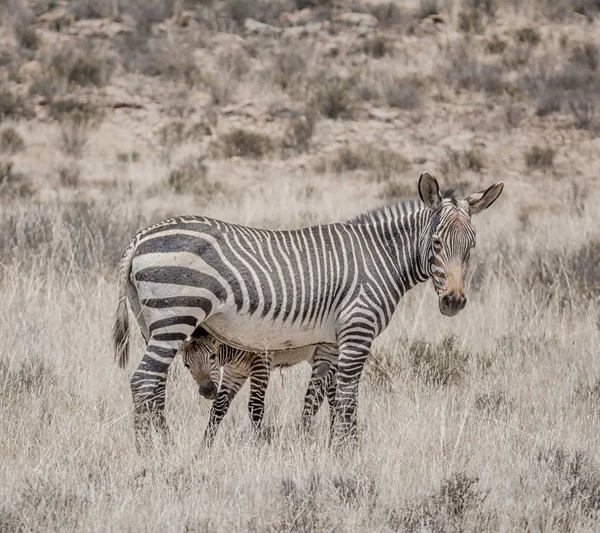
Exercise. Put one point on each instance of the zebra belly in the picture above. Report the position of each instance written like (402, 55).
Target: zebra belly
(257, 334)
(293, 356)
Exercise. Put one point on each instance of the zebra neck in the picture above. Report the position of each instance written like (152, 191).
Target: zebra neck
(226, 354)
(408, 240)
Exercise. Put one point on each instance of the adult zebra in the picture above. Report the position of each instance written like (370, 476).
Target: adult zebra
(263, 290)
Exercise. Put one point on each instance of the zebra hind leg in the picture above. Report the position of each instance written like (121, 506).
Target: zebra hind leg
(230, 385)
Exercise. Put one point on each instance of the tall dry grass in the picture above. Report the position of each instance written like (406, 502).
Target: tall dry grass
(510, 443)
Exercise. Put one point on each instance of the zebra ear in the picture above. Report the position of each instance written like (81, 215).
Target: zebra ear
(429, 190)
(481, 200)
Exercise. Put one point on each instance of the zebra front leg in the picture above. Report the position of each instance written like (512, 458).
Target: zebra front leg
(323, 371)
(230, 386)
(354, 350)
(259, 381)
(148, 388)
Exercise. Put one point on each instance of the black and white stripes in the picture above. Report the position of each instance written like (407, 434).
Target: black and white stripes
(262, 290)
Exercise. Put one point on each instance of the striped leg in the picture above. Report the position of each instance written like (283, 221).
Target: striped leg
(322, 378)
(354, 350)
(148, 387)
(230, 386)
(259, 381)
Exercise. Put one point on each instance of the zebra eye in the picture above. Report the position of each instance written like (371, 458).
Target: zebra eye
(186, 364)
(437, 245)
(213, 356)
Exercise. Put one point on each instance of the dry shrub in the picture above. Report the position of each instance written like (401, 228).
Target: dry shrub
(475, 15)
(80, 67)
(267, 11)
(428, 8)
(75, 110)
(376, 46)
(464, 71)
(334, 98)
(69, 175)
(26, 35)
(394, 190)
(382, 162)
(290, 66)
(494, 404)
(12, 182)
(540, 157)
(245, 143)
(456, 506)
(568, 277)
(300, 131)
(573, 86)
(574, 483)
(528, 36)
(391, 14)
(11, 141)
(495, 45)
(13, 106)
(79, 237)
(147, 13)
(458, 161)
(91, 9)
(435, 365)
(388, 88)
(31, 376)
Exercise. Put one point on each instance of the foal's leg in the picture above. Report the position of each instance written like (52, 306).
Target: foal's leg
(230, 386)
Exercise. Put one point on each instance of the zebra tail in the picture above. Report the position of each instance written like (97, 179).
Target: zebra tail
(121, 325)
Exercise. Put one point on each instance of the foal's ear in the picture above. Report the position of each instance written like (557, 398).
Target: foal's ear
(481, 200)
(429, 190)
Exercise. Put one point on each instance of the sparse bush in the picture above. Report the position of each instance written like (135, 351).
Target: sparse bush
(69, 175)
(428, 8)
(188, 177)
(540, 157)
(267, 11)
(495, 45)
(10, 141)
(299, 131)
(528, 36)
(575, 480)
(290, 66)
(396, 190)
(458, 503)
(167, 62)
(73, 138)
(244, 143)
(380, 161)
(12, 106)
(457, 162)
(583, 108)
(91, 9)
(376, 46)
(12, 182)
(147, 13)
(128, 157)
(495, 404)
(404, 93)
(32, 376)
(74, 110)
(443, 364)
(435, 365)
(82, 68)
(26, 35)
(464, 71)
(334, 99)
(390, 14)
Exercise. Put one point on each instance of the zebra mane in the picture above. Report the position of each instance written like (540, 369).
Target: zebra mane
(401, 206)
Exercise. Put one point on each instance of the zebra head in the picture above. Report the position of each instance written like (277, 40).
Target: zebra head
(448, 245)
(199, 357)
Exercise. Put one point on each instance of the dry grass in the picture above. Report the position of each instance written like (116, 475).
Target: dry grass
(484, 422)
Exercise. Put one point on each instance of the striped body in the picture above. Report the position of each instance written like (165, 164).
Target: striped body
(203, 356)
(262, 290)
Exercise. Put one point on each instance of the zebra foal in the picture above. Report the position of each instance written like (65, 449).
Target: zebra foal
(261, 290)
(203, 356)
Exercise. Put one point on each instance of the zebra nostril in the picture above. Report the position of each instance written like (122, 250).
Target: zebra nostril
(462, 301)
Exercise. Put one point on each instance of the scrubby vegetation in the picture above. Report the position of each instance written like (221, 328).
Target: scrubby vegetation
(280, 114)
